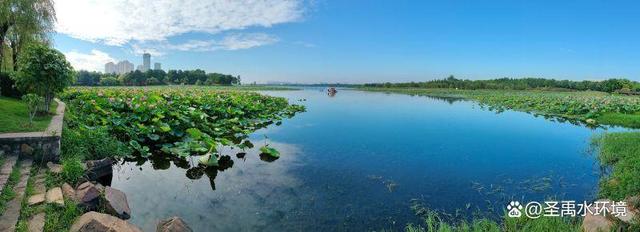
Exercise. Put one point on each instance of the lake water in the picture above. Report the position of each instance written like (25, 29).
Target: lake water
(359, 161)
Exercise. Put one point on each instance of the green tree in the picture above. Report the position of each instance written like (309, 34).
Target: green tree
(24, 21)
(43, 71)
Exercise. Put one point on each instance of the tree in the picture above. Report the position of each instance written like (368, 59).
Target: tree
(33, 101)
(43, 71)
(24, 21)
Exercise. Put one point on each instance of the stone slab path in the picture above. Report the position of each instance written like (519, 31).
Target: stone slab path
(10, 216)
(5, 170)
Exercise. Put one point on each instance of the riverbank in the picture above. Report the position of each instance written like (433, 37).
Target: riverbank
(586, 107)
(620, 151)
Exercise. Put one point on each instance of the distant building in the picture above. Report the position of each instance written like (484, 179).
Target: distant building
(140, 68)
(124, 67)
(146, 62)
(157, 66)
(110, 68)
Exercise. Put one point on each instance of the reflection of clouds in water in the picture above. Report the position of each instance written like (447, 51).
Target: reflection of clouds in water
(252, 195)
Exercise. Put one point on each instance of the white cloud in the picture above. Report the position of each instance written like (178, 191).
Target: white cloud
(117, 22)
(230, 42)
(245, 41)
(93, 61)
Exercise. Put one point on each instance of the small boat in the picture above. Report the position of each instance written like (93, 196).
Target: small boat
(332, 90)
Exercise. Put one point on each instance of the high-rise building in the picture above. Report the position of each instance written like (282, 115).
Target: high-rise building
(140, 68)
(157, 66)
(146, 62)
(124, 67)
(109, 67)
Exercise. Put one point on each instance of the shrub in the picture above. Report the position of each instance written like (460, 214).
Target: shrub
(44, 71)
(91, 143)
(72, 170)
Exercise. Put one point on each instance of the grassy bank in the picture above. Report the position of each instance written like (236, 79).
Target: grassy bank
(15, 116)
(582, 106)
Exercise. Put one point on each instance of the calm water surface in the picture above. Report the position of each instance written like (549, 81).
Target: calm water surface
(359, 161)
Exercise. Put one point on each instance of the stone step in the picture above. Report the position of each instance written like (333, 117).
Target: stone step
(5, 170)
(36, 223)
(10, 216)
(39, 186)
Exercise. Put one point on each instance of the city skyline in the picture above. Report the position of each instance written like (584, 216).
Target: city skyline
(124, 66)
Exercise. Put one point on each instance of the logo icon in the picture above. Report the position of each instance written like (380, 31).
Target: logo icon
(514, 209)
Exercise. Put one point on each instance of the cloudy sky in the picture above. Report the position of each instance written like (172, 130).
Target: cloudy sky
(356, 41)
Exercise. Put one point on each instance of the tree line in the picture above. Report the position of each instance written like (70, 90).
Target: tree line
(155, 77)
(610, 85)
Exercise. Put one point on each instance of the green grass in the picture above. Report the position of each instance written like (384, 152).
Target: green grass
(60, 218)
(628, 120)
(433, 223)
(15, 116)
(621, 152)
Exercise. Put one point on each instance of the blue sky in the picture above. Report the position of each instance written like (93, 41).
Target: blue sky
(359, 41)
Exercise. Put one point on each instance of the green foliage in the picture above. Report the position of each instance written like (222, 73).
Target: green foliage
(434, 223)
(270, 151)
(32, 101)
(174, 121)
(60, 218)
(43, 71)
(72, 170)
(155, 77)
(610, 85)
(109, 81)
(91, 143)
(620, 152)
(566, 105)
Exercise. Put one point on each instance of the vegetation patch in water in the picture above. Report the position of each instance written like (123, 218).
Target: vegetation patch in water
(175, 121)
(586, 106)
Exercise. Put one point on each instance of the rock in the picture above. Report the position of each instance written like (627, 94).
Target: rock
(36, 223)
(36, 199)
(591, 121)
(54, 168)
(633, 202)
(54, 195)
(99, 222)
(172, 224)
(97, 169)
(26, 149)
(100, 187)
(68, 192)
(88, 196)
(116, 203)
(596, 223)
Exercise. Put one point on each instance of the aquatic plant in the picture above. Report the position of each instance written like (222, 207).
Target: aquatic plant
(175, 121)
(270, 151)
(586, 106)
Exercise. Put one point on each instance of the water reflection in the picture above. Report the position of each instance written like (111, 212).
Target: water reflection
(232, 197)
(363, 161)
